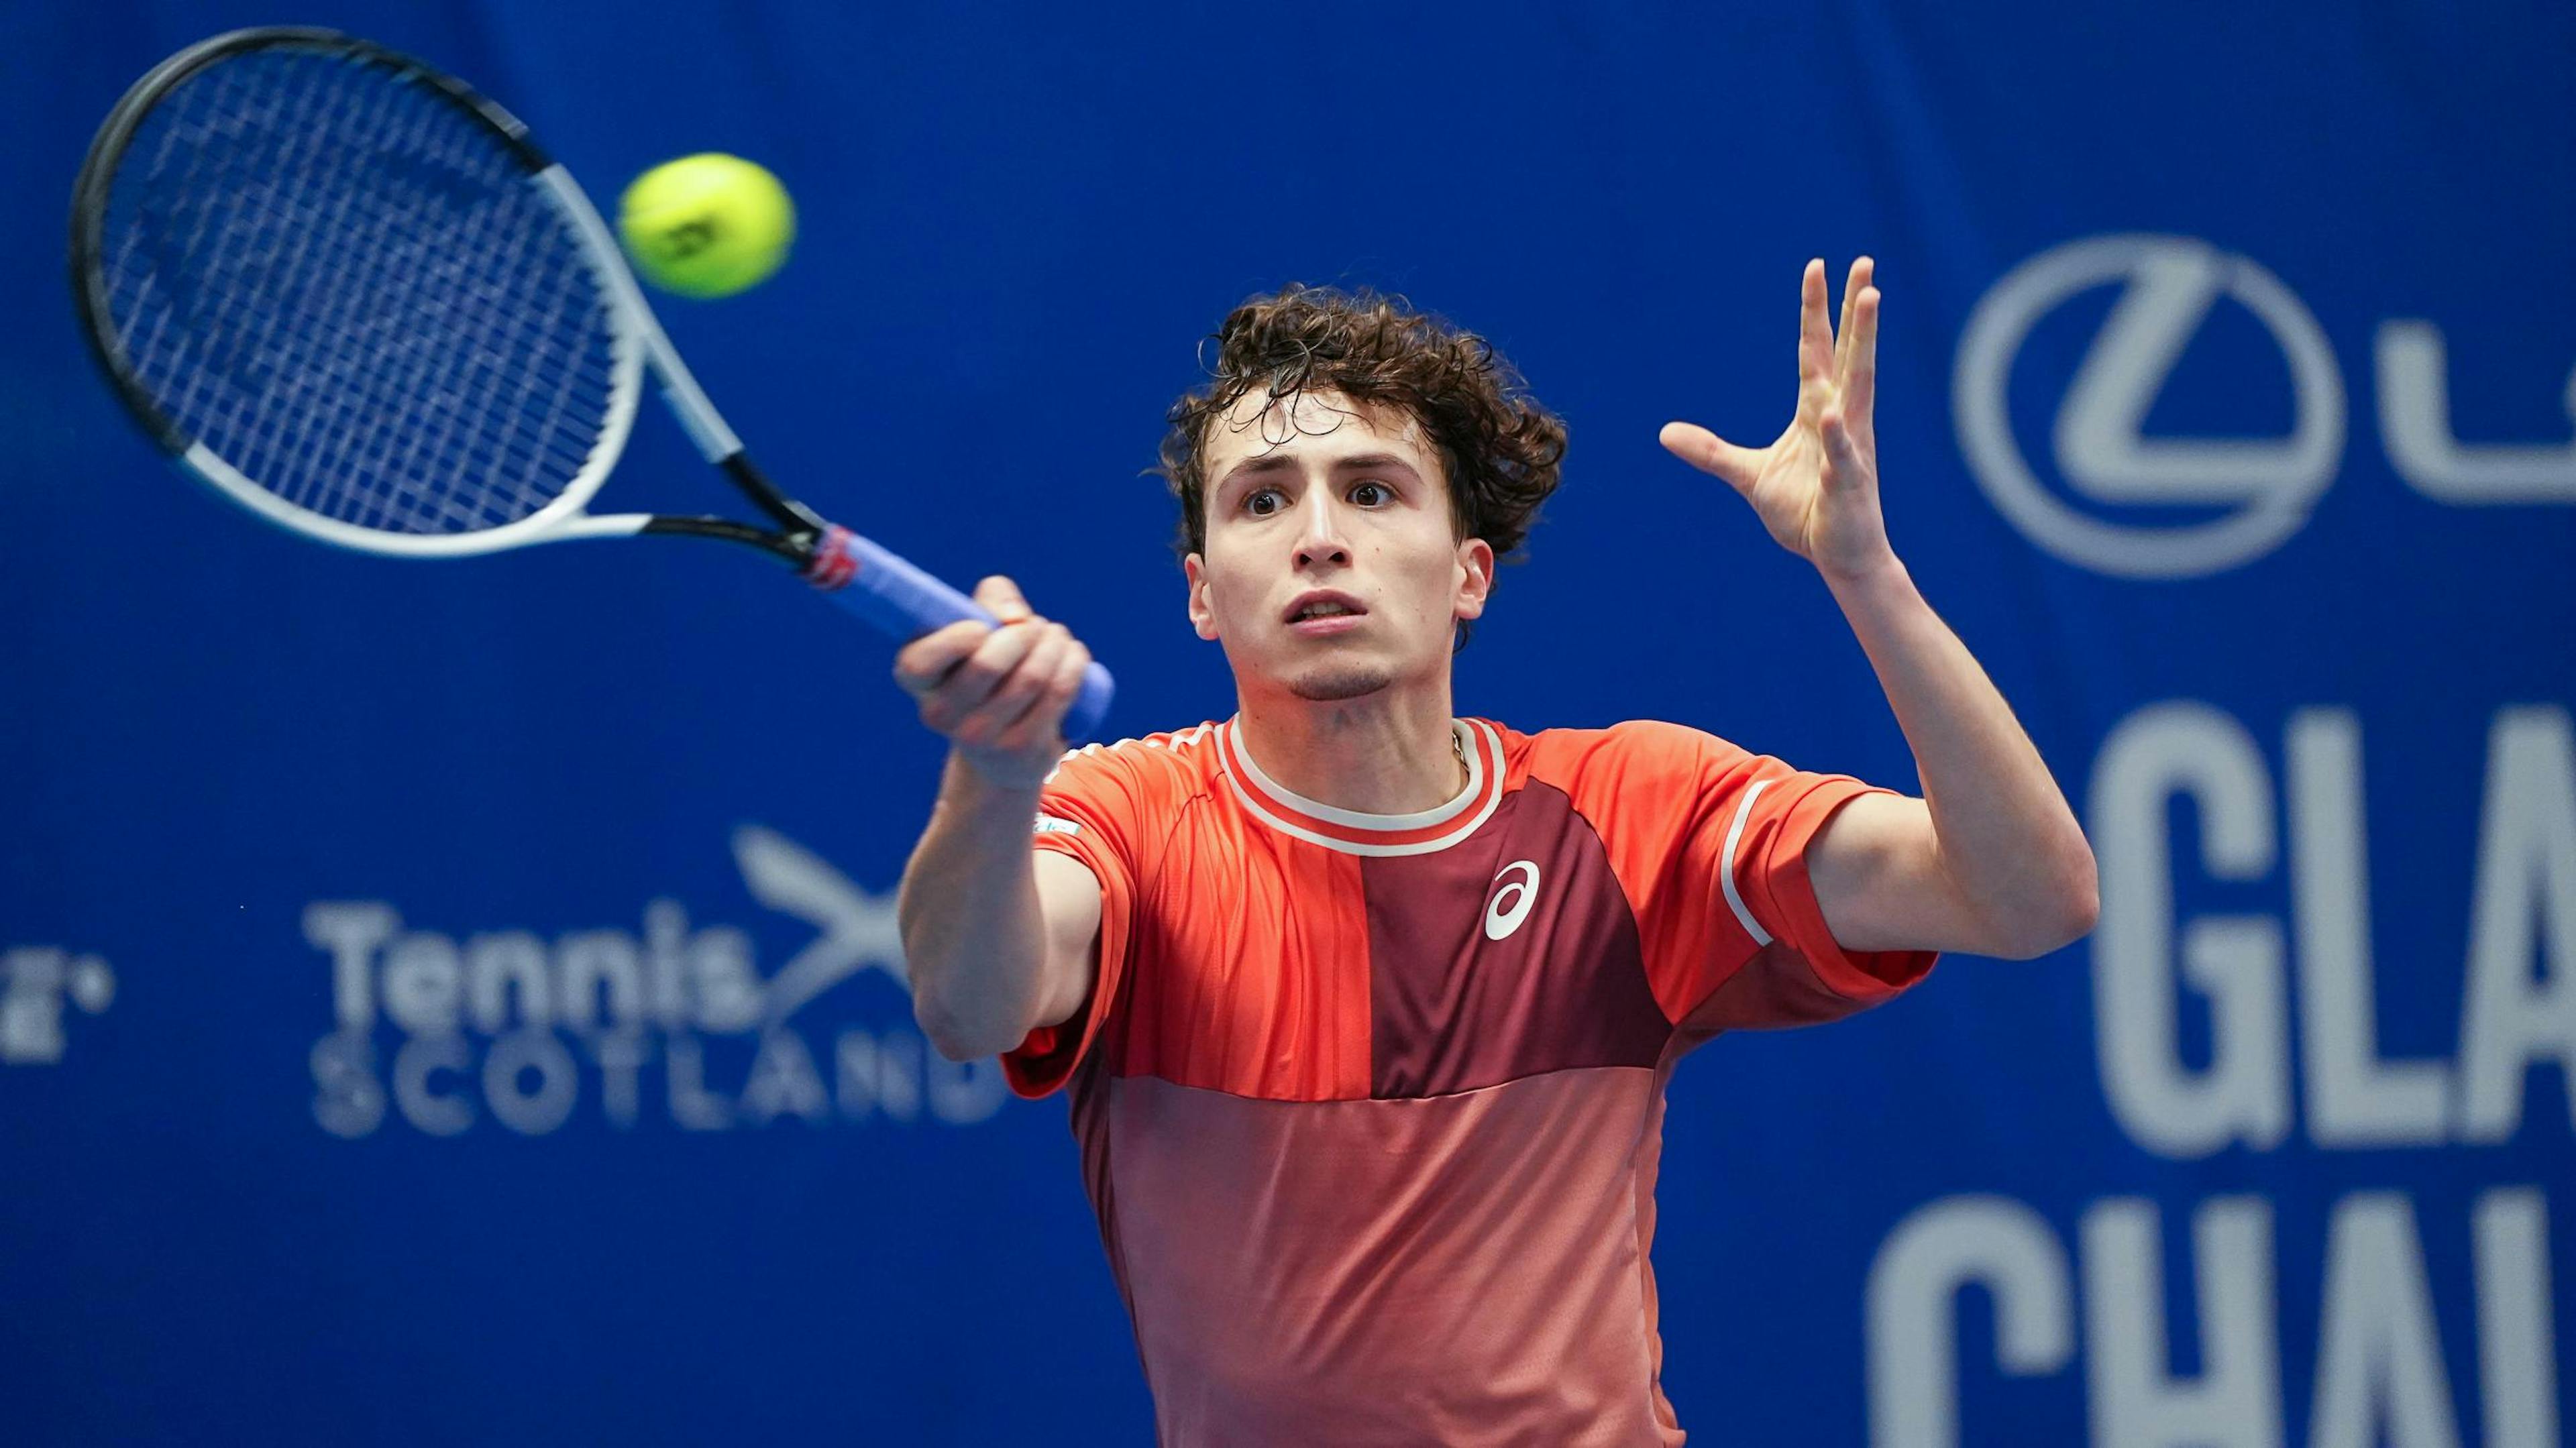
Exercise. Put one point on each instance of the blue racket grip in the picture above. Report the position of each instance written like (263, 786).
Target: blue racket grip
(905, 603)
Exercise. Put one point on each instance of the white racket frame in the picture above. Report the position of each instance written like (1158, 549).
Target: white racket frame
(636, 340)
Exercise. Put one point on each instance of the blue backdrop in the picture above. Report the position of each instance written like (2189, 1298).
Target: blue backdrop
(459, 1002)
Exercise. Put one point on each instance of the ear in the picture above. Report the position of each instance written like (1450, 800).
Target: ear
(1475, 577)
(1202, 616)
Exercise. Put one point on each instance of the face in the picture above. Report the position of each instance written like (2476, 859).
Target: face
(1333, 498)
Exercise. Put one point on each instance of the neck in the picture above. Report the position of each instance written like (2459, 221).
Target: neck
(1379, 754)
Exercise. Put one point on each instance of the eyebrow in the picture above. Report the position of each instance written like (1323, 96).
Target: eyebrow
(1280, 462)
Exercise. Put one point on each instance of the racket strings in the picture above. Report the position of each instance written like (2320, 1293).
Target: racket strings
(354, 295)
(371, 334)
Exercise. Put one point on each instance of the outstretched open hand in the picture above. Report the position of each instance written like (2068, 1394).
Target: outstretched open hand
(1816, 487)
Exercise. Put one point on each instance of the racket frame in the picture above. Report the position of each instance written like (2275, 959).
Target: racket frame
(636, 338)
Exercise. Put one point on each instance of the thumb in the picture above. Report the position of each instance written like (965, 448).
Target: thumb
(1002, 598)
(1710, 453)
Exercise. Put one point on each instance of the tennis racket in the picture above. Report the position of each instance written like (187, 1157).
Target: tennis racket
(352, 295)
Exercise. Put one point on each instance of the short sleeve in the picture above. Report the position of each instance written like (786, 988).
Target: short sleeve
(1710, 843)
(1095, 808)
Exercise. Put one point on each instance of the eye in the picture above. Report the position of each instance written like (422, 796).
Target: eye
(1379, 489)
(1253, 506)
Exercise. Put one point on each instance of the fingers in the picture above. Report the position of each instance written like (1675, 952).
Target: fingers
(1853, 285)
(1844, 465)
(1710, 453)
(997, 719)
(924, 662)
(977, 658)
(1004, 688)
(1043, 718)
(1815, 339)
(1860, 371)
(1837, 380)
(1844, 424)
(921, 664)
(1001, 598)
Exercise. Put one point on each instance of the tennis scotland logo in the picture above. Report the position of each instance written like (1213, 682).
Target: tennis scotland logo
(670, 1024)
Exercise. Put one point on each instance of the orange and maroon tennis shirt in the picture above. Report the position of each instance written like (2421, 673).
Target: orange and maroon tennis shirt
(1370, 1105)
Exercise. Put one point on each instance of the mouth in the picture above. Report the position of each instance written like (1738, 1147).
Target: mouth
(1321, 613)
(1339, 623)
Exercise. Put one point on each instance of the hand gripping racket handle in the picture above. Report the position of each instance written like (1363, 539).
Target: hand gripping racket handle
(906, 603)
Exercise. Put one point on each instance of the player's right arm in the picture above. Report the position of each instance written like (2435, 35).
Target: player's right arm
(999, 937)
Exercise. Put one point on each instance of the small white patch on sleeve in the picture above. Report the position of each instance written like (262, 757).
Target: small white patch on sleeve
(1048, 824)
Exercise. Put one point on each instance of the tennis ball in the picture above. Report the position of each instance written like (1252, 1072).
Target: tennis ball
(707, 225)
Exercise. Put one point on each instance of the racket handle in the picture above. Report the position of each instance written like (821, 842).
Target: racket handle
(905, 603)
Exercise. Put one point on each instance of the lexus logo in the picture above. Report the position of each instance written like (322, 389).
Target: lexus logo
(2268, 485)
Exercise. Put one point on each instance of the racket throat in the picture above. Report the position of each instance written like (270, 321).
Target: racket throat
(795, 549)
(800, 530)
(801, 523)
(800, 539)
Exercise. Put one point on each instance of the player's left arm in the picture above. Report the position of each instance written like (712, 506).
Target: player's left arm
(1991, 860)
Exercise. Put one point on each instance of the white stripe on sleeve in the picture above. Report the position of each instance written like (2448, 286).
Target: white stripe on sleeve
(1734, 834)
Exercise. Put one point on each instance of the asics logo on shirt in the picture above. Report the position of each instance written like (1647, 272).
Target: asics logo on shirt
(1511, 904)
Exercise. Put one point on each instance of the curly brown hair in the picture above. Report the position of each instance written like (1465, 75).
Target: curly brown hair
(1499, 448)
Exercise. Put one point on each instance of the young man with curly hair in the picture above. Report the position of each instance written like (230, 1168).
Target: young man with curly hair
(1366, 1008)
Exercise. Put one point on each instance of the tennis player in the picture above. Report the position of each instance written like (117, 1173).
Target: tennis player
(1366, 1008)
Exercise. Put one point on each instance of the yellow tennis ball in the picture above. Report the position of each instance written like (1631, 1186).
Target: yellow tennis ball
(707, 225)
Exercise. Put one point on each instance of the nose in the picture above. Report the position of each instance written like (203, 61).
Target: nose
(1320, 539)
